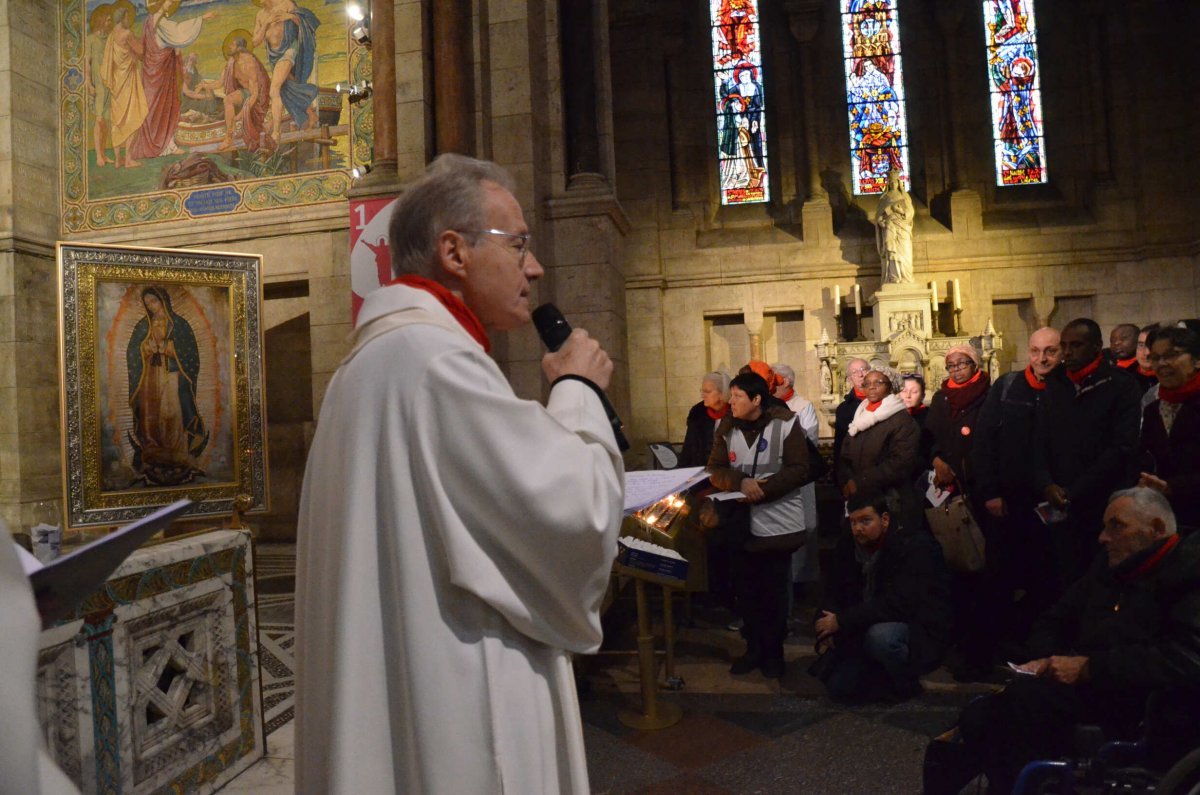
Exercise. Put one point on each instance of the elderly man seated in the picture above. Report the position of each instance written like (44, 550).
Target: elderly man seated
(1126, 633)
(885, 619)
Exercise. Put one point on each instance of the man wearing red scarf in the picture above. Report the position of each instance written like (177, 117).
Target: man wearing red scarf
(461, 536)
(1122, 644)
(1018, 554)
(1085, 442)
(856, 369)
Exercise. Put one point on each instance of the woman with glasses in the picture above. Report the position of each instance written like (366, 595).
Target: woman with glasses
(947, 440)
(703, 418)
(1171, 425)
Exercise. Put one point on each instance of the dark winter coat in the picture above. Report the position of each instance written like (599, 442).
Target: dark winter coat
(1003, 447)
(698, 440)
(1176, 458)
(947, 440)
(883, 456)
(912, 586)
(842, 417)
(1087, 436)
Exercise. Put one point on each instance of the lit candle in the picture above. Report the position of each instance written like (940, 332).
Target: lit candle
(957, 297)
(857, 299)
(934, 299)
(837, 297)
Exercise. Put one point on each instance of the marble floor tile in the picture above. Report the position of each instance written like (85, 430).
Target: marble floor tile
(265, 777)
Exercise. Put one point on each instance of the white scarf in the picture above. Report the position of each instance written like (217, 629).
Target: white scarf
(863, 419)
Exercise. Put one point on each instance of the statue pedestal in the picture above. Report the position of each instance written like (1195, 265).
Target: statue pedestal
(901, 307)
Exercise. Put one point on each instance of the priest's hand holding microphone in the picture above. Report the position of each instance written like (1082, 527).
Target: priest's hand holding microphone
(574, 355)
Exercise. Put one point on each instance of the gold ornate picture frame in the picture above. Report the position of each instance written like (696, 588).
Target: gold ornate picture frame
(161, 367)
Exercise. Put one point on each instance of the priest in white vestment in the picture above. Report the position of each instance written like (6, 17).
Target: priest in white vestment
(455, 540)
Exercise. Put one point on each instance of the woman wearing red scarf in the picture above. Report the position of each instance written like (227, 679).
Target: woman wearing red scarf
(948, 437)
(1171, 425)
(952, 415)
(703, 418)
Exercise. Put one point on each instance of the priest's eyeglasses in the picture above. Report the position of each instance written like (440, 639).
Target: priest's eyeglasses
(521, 250)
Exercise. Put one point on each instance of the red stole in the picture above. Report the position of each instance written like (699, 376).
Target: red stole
(454, 305)
(1032, 379)
(716, 415)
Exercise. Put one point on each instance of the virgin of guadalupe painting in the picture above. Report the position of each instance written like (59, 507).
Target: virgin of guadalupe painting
(167, 401)
(167, 433)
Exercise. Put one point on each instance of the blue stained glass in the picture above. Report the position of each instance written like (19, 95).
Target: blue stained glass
(739, 102)
(1014, 71)
(874, 93)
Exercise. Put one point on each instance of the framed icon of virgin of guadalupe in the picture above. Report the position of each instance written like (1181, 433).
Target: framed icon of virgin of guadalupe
(161, 368)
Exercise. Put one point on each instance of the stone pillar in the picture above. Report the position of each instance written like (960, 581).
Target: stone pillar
(453, 91)
(804, 18)
(754, 327)
(383, 97)
(30, 457)
(584, 276)
(579, 92)
(966, 206)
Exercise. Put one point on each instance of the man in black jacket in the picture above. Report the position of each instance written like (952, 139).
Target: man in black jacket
(844, 414)
(1018, 554)
(886, 614)
(1125, 635)
(1087, 437)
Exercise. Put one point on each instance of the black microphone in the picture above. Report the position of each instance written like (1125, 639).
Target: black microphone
(554, 329)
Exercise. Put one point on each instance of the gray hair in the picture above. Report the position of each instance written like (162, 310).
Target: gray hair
(784, 371)
(1149, 504)
(718, 378)
(448, 196)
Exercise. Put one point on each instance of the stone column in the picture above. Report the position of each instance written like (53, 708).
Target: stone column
(804, 18)
(966, 206)
(382, 176)
(453, 92)
(753, 318)
(579, 92)
(584, 275)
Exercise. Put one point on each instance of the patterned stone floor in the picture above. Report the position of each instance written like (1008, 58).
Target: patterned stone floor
(744, 734)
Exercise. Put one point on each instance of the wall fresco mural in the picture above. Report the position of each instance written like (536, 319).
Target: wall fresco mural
(178, 109)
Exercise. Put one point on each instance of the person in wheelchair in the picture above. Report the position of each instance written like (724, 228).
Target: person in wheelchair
(1125, 633)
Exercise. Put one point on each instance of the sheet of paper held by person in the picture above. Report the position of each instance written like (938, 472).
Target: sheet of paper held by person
(59, 586)
(644, 488)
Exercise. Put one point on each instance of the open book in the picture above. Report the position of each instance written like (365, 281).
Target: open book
(61, 585)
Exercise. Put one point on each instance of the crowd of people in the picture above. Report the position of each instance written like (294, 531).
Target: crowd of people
(1079, 475)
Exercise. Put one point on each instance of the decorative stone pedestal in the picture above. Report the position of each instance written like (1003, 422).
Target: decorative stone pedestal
(154, 685)
(904, 340)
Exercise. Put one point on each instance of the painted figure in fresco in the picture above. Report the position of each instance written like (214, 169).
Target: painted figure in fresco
(290, 34)
(162, 75)
(893, 232)
(199, 103)
(736, 30)
(163, 361)
(100, 25)
(121, 72)
(247, 88)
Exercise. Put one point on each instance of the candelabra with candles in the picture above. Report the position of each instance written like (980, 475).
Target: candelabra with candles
(837, 312)
(934, 320)
(958, 308)
(858, 329)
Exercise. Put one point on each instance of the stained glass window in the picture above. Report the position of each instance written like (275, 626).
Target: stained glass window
(740, 108)
(874, 93)
(1013, 70)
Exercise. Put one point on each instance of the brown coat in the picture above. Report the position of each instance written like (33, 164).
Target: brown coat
(883, 456)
